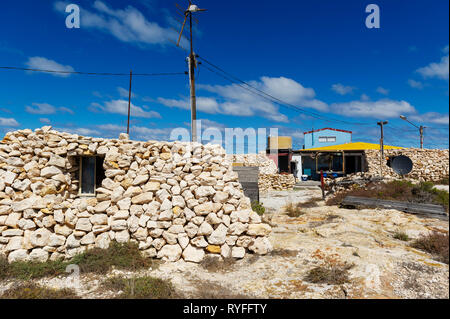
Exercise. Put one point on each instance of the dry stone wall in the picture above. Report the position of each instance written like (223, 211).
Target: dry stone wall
(277, 182)
(428, 165)
(265, 164)
(269, 179)
(176, 200)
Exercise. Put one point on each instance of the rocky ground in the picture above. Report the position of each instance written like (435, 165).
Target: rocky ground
(384, 267)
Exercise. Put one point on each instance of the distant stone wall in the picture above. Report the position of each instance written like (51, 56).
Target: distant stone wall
(428, 165)
(265, 164)
(277, 182)
(269, 179)
(176, 200)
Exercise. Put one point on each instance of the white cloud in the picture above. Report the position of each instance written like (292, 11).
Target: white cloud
(45, 108)
(382, 90)
(436, 70)
(431, 117)
(46, 64)
(41, 108)
(44, 120)
(204, 104)
(376, 109)
(342, 89)
(364, 97)
(445, 49)
(127, 25)
(234, 100)
(112, 128)
(125, 93)
(121, 107)
(415, 84)
(9, 122)
(66, 110)
(146, 133)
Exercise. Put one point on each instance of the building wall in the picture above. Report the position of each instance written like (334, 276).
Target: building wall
(428, 165)
(312, 139)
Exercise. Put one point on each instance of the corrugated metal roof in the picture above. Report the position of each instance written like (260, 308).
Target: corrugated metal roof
(357, 146)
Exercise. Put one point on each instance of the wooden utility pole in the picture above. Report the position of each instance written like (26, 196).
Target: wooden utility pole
(192, 65)
(129, 103)
(381, 124)
(421, 136)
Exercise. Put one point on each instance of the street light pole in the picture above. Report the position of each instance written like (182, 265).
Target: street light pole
(421, 129)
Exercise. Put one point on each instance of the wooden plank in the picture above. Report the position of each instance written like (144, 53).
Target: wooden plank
(249, 177)
(413, 208)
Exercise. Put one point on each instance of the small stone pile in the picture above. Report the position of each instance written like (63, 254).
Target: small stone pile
(265, 164)
(428, 164)
(269, 179)
(175, 200)
(277, 182)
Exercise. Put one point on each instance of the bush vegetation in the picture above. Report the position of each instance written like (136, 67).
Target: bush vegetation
(122, 256)
(296, 210)
(258, 208)
(33, 291)
(141, 288)
(434, 243)
(423, 192)
(331, 274)
(401, 236)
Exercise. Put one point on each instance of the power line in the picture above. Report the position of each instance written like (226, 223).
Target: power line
(92, 73)
(233, 79)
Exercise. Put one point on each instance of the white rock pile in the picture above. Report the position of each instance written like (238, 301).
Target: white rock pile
(265, 164)
(176, 200)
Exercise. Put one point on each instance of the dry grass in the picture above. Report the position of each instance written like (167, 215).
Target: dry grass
(297, 210)
(141, 288)
(331, 274)
(33, 291)
(283, 253)
(216, 264)
(123, 256)
(401, 236)
(436, 244)
(212, 290)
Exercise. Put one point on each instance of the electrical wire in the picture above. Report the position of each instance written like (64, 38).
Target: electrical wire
(233, 79)
(91, 73)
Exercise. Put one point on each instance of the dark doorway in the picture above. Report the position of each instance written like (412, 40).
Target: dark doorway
(283, 163)
(353, 164)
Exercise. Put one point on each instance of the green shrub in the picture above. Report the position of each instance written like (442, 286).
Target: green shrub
(122, 256)
(401, 236)
(258, 208)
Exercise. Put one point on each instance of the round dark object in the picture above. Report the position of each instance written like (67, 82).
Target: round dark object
(402, 165)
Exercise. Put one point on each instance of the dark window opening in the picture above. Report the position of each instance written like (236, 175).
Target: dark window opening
(91, 174)
(353, 164)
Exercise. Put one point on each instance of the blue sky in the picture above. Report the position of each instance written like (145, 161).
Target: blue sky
(318, 55)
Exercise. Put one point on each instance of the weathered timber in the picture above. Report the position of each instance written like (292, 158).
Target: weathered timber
(413, 208)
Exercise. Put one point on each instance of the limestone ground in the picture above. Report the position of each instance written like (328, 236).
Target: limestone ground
(383, 267)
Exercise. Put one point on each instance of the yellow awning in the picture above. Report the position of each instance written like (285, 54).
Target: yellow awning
(357, 146)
